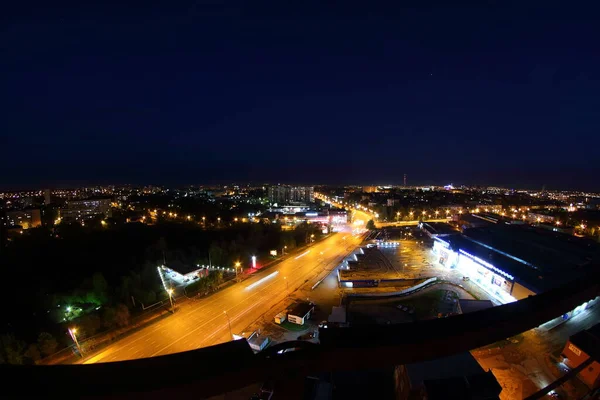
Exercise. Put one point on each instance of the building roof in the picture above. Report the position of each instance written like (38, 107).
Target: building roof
(537, 258)
(519, 272)
(547, 250)
(588, 341)
(439, 228)
(301, 309)
(468, 305)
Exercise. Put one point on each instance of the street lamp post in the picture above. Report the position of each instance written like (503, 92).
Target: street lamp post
(72, 332)
(170, 292)
(228, 323)
(237, 265)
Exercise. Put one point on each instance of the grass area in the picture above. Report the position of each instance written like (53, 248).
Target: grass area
(425, 305)
(293, 327)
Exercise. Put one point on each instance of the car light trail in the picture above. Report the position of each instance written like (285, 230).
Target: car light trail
(302, 255)
(266, 278)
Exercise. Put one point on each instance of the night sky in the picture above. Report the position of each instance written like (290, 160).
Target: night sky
(197, 92)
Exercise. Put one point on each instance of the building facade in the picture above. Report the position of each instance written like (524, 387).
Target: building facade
(24, 218)
(283, 194)
(84, 209)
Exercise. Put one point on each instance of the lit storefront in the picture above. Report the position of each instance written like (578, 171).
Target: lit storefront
(493, 280)
(446, 256)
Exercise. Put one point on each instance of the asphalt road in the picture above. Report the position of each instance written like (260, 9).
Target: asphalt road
(203, 322)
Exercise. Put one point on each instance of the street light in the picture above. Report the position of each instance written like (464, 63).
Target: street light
(237, 265)
(72, 332)
(253, 261)
(170, 292)
(229, 323)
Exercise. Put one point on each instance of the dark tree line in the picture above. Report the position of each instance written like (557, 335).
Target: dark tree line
(96, 278)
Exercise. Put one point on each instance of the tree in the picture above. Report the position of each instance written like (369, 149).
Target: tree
(109, 317)
(33, 353)
(370, 224)
(122, 315)
(47, 344)
(90, 324)
(100, 286)
(11, 350)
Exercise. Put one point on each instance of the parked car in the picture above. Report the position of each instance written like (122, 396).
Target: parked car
(307, 336)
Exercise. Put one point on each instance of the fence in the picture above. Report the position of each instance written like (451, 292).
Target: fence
(399, 293)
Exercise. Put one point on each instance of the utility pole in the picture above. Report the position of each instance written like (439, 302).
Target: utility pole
(229, 323)
(72, 332)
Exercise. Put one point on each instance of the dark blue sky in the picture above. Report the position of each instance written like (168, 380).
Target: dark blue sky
(193, 92)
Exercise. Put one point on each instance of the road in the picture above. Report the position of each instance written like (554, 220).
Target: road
(203, 323)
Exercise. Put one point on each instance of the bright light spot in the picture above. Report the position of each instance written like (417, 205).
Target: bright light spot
(302, 255)
(262, 280)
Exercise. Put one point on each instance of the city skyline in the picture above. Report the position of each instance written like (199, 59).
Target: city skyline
(484, 95)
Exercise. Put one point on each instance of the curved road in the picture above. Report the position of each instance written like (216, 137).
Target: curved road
(203, 322)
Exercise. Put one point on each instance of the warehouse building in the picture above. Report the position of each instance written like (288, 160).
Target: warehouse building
(512, 262)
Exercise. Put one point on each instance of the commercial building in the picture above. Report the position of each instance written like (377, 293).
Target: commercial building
(433, 229)
(581, 347)
(83, 209)
(301, 313)
(254, 339)
(512, 262)
(24, 218)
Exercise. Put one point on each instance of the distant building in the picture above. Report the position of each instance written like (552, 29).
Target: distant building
(3, 229)
(24, 218)
(47, 197)
(83, 209)
(393, 202)
(540, 217)
(283, 194)
(579, 348)
(369, 189)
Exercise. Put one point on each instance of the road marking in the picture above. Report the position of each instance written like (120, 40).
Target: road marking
(266, 278)
(302, 255)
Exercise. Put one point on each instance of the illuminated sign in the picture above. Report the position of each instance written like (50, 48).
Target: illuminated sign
(273, 253)
(574, 349)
